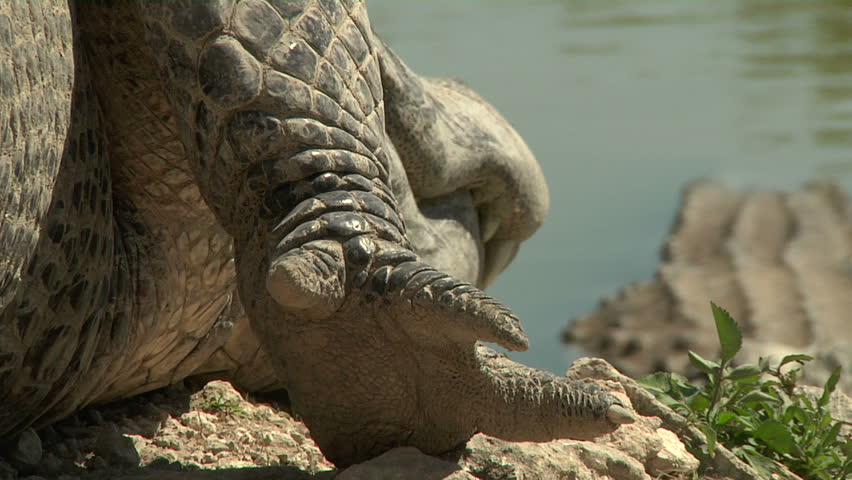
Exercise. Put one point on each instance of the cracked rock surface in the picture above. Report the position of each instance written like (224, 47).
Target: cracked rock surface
(214, 432)
(175, 433)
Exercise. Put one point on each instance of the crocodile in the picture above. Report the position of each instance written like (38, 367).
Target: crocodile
(778, 261)
(261, 190)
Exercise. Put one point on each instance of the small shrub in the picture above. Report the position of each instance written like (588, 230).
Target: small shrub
(757, 412)
(221, 405)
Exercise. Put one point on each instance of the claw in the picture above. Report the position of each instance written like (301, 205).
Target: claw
(309, 278)
(498, 255)
(619, 415)
(533, 405)
(456, 307)
(488, 225)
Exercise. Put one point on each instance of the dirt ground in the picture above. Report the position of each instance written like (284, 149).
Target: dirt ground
(183, 432)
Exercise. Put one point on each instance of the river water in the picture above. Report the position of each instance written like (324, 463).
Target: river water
(623, 103)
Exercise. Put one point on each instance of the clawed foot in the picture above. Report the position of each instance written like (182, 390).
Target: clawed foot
(392, 357)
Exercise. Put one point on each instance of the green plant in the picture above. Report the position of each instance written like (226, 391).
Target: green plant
(757, 411)
(221, 405)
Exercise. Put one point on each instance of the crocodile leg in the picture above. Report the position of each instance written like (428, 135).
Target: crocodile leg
(451, 139)
(282, 112)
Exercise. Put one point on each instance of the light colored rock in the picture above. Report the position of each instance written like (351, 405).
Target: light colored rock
(672, 457)
(638, 451)
(261, 437)
(404, 463)
(724, 464)
(223, 430)
(643, 450)
(167, 441)
(215, 395)
(490, 458)
(200, 421)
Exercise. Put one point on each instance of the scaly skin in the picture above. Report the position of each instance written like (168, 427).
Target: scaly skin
(225, 145)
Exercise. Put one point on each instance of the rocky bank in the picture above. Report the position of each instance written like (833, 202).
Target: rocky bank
(212, 432)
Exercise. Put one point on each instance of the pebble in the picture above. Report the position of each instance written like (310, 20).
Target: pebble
(73, 446)
(70, 427)
(200, 421)
(6, 470)
(298, 437)
(49, 435)
(50, 463)
(166, 461)
(115, 447)
(97, 463)
(27, 450)
(61, 450)
(167, 441)
(243, 436)
(94, 416)
(215, 445)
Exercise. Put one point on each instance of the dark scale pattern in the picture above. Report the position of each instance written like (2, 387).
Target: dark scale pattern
(259, 27)
(178, 255)
(480, 317)
(296, 55)
(62, 308)
(33, 128)
(228, 74)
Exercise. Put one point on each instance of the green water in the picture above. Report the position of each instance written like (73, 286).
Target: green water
(623, 103)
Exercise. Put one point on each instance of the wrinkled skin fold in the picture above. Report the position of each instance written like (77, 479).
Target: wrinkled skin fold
(279, 149)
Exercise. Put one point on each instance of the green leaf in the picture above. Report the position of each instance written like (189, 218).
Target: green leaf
(699, 403)
(795, 412)
(829, 387)
(669, 401)
(776, 435)
(744, 371)
(748, 384)
(720, 406)
(678, 379)
(764, 466)
(830, 436)
(806, 402)
(657, 382)
(685, 388)
(756, 396)
(800, 357)
(725, 417)
(706, 366)
(730, 336)
(749, 423)
(825, 421)
(669, 388)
